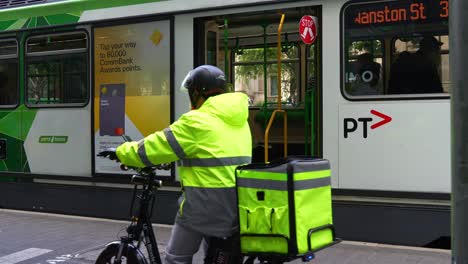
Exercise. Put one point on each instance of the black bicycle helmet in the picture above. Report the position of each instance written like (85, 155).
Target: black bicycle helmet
(206, 80)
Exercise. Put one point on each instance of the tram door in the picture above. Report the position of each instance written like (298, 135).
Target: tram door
(44, 117)
(245, 46)
(55, 120)
(10, 114)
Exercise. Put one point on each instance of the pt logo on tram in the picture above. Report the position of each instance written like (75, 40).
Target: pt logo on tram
(350, 125)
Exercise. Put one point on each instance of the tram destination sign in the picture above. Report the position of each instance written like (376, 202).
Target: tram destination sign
(396, 12)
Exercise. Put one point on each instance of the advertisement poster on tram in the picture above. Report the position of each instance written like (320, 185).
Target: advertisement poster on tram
(131, 85)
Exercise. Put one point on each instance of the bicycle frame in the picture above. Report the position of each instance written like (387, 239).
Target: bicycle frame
(141, 228)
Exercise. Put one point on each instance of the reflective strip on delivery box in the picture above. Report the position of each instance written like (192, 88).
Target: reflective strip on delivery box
(264, 206)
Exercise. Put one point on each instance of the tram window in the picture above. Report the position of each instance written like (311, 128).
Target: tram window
(8, 73)
(365, 60)
(57, 70)
(8, 49)
(311, 82)
(274, 85)
(211, 48)
(249, 75)
(8, 82)
(405, 46)
(59, 42)
(396, 49)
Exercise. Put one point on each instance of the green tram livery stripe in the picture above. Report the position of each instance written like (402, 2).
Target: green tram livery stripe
(55, 13)
(9, 122)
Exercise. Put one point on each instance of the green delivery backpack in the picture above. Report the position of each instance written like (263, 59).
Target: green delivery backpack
(285, 207)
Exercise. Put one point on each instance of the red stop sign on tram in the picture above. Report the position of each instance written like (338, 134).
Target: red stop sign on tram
(308, 29)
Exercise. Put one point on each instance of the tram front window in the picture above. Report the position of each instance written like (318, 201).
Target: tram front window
(396, 49)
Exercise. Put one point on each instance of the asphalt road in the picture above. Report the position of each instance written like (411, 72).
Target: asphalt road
(33, 238)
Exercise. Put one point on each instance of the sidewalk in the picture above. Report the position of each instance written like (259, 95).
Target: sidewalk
(33, 238)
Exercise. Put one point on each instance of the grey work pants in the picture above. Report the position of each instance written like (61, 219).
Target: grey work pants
(183, 244)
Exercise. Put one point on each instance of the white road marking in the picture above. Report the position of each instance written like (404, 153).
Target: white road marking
(62, 259)
(23, 255)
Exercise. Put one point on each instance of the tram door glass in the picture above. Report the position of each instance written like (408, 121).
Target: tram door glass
(396, 49)
(246, 46)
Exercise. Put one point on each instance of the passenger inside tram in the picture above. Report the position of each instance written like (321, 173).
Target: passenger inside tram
(368, 76)
(418, 72)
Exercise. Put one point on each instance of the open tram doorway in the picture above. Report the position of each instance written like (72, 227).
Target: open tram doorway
(245, 46)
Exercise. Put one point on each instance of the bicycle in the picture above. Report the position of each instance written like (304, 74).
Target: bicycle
(127, 249)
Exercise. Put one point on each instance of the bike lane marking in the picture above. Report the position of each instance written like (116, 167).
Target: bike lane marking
(23, 255)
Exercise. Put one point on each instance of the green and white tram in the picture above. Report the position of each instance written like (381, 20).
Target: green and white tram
(371, 94)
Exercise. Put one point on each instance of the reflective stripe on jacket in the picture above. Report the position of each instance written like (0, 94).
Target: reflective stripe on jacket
(209, 143)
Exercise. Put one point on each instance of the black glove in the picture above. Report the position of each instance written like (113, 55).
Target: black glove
(109, 153)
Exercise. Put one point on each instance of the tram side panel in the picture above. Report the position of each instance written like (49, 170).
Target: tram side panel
(331, 83)
(58, 141)
(11, 142)
(11, 114)
(408, 149)
(393, 129)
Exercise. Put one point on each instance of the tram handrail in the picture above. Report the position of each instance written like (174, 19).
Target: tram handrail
(279, 109)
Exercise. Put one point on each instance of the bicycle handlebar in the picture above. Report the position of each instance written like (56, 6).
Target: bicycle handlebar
(111, 154)
(146, 170)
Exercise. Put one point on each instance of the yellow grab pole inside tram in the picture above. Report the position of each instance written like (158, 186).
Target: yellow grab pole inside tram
(279, 108)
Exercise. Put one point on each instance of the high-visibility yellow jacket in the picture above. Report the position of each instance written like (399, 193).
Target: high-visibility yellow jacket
(209, 143)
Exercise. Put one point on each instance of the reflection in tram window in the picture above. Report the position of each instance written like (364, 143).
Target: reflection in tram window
(409, 56)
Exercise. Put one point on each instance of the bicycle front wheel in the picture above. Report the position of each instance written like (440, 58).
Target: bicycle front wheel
(130, 255)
